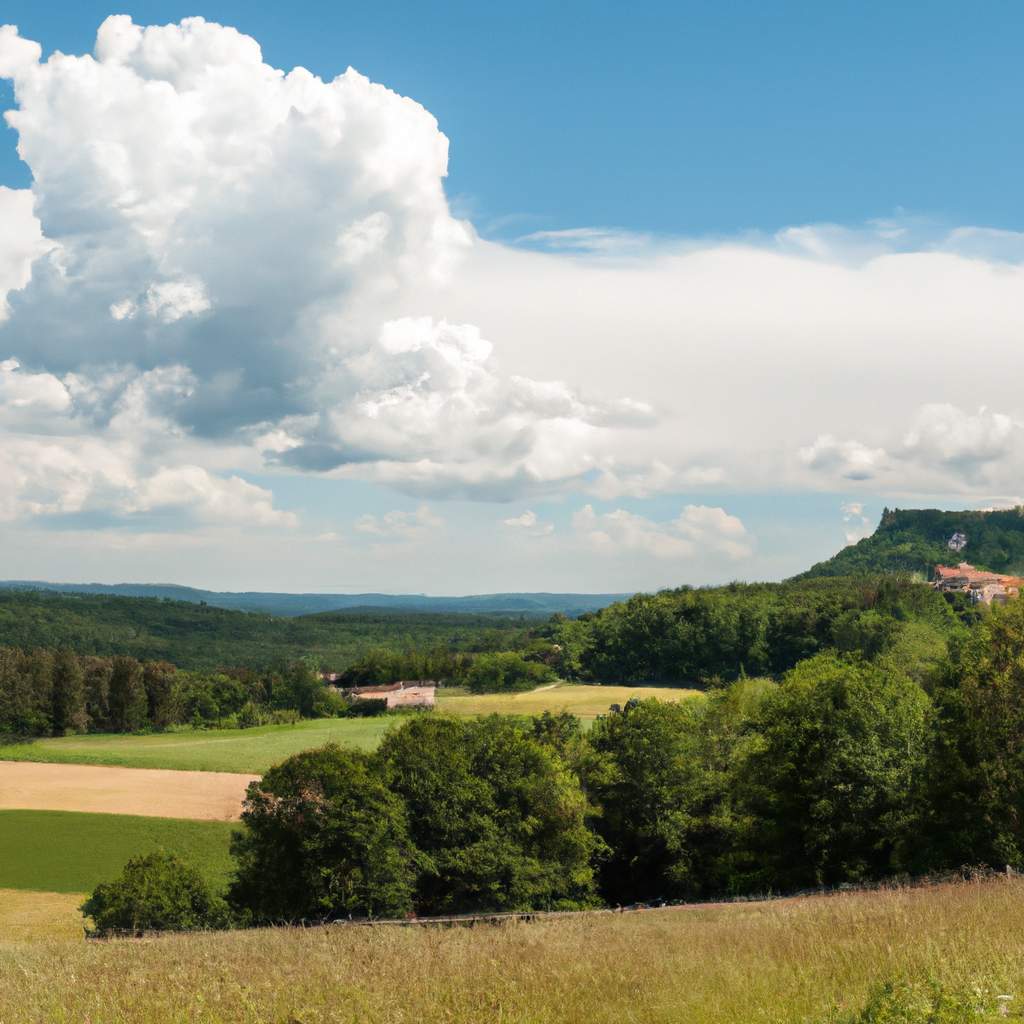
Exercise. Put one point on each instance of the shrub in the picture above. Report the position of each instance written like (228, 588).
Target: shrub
(330, 703)
(905, 1003)
(155, 892)
(506, 671)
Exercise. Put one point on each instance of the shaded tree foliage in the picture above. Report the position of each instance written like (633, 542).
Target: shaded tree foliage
(324, 838)
(832, 782)
(499, 819)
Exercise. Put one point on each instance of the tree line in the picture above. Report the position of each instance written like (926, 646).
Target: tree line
(845, 771)
(52, 693)
(205, 638)
(716, 634)
(497, 671)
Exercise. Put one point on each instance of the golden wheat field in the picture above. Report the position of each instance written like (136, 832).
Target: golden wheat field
(803, 960)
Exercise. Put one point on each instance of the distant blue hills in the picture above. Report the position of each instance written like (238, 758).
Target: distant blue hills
(292, 605)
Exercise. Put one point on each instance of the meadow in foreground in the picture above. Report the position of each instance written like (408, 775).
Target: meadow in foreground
(67, 851)
(255, 750)
(818, 960)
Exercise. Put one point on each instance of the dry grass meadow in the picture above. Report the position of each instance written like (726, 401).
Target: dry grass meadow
(578, 698)
(808, 960)
(27, 916)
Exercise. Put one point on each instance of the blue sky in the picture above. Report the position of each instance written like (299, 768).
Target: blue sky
(681, 118)
(704, 287)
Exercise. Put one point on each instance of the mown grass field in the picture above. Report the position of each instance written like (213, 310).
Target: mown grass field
(70, 852)
(27, 916)
(212, 750)
(585, 701)
(810, 961)
(255, 750)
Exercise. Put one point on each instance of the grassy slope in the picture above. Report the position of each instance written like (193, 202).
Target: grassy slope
(255, 750)
(64, 851)
(778, 963)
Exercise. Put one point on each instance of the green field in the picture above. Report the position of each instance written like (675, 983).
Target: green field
(64, 851)
(255, 750)
(210, 750)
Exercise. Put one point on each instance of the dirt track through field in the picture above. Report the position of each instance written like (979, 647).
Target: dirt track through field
(155, 793)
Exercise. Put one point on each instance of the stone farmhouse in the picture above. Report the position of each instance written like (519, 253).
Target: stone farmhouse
(982, 587)
(420, 693)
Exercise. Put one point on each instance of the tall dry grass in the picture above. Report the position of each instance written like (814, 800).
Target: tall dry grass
(801, 960)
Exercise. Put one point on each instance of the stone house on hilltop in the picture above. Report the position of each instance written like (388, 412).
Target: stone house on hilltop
(982, 587)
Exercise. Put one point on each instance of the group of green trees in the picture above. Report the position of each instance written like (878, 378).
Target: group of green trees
(51, 693)
(489, 671)
(847, 770)
(202, 637)
(718, 634)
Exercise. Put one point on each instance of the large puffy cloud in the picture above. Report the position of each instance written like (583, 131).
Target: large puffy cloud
(264, 230)
(106, 447)
(425, 405)
(22, 241)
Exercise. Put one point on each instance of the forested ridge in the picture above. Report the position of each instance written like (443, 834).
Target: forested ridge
(195, 636)
(916, 540)
(706, 635)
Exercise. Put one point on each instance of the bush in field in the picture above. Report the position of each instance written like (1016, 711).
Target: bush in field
(505, 672)
(498, 818)
(156, 892)
(324, 838)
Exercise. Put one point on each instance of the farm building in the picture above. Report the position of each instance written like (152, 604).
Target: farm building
(983, 587)
(415, 694)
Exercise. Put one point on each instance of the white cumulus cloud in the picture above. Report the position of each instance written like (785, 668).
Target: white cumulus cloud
(697, 530)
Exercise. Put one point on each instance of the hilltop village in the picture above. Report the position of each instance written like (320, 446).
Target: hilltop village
(982, 587)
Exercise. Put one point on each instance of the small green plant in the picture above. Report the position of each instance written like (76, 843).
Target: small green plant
(902, 1002)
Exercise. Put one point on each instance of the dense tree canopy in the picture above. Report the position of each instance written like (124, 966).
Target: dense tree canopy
(724, 633)
(44, 693)
(324, 838)
(831, 783)
(497, 816)
(915, 540)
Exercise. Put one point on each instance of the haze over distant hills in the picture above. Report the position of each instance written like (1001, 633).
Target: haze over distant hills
(310, 604)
